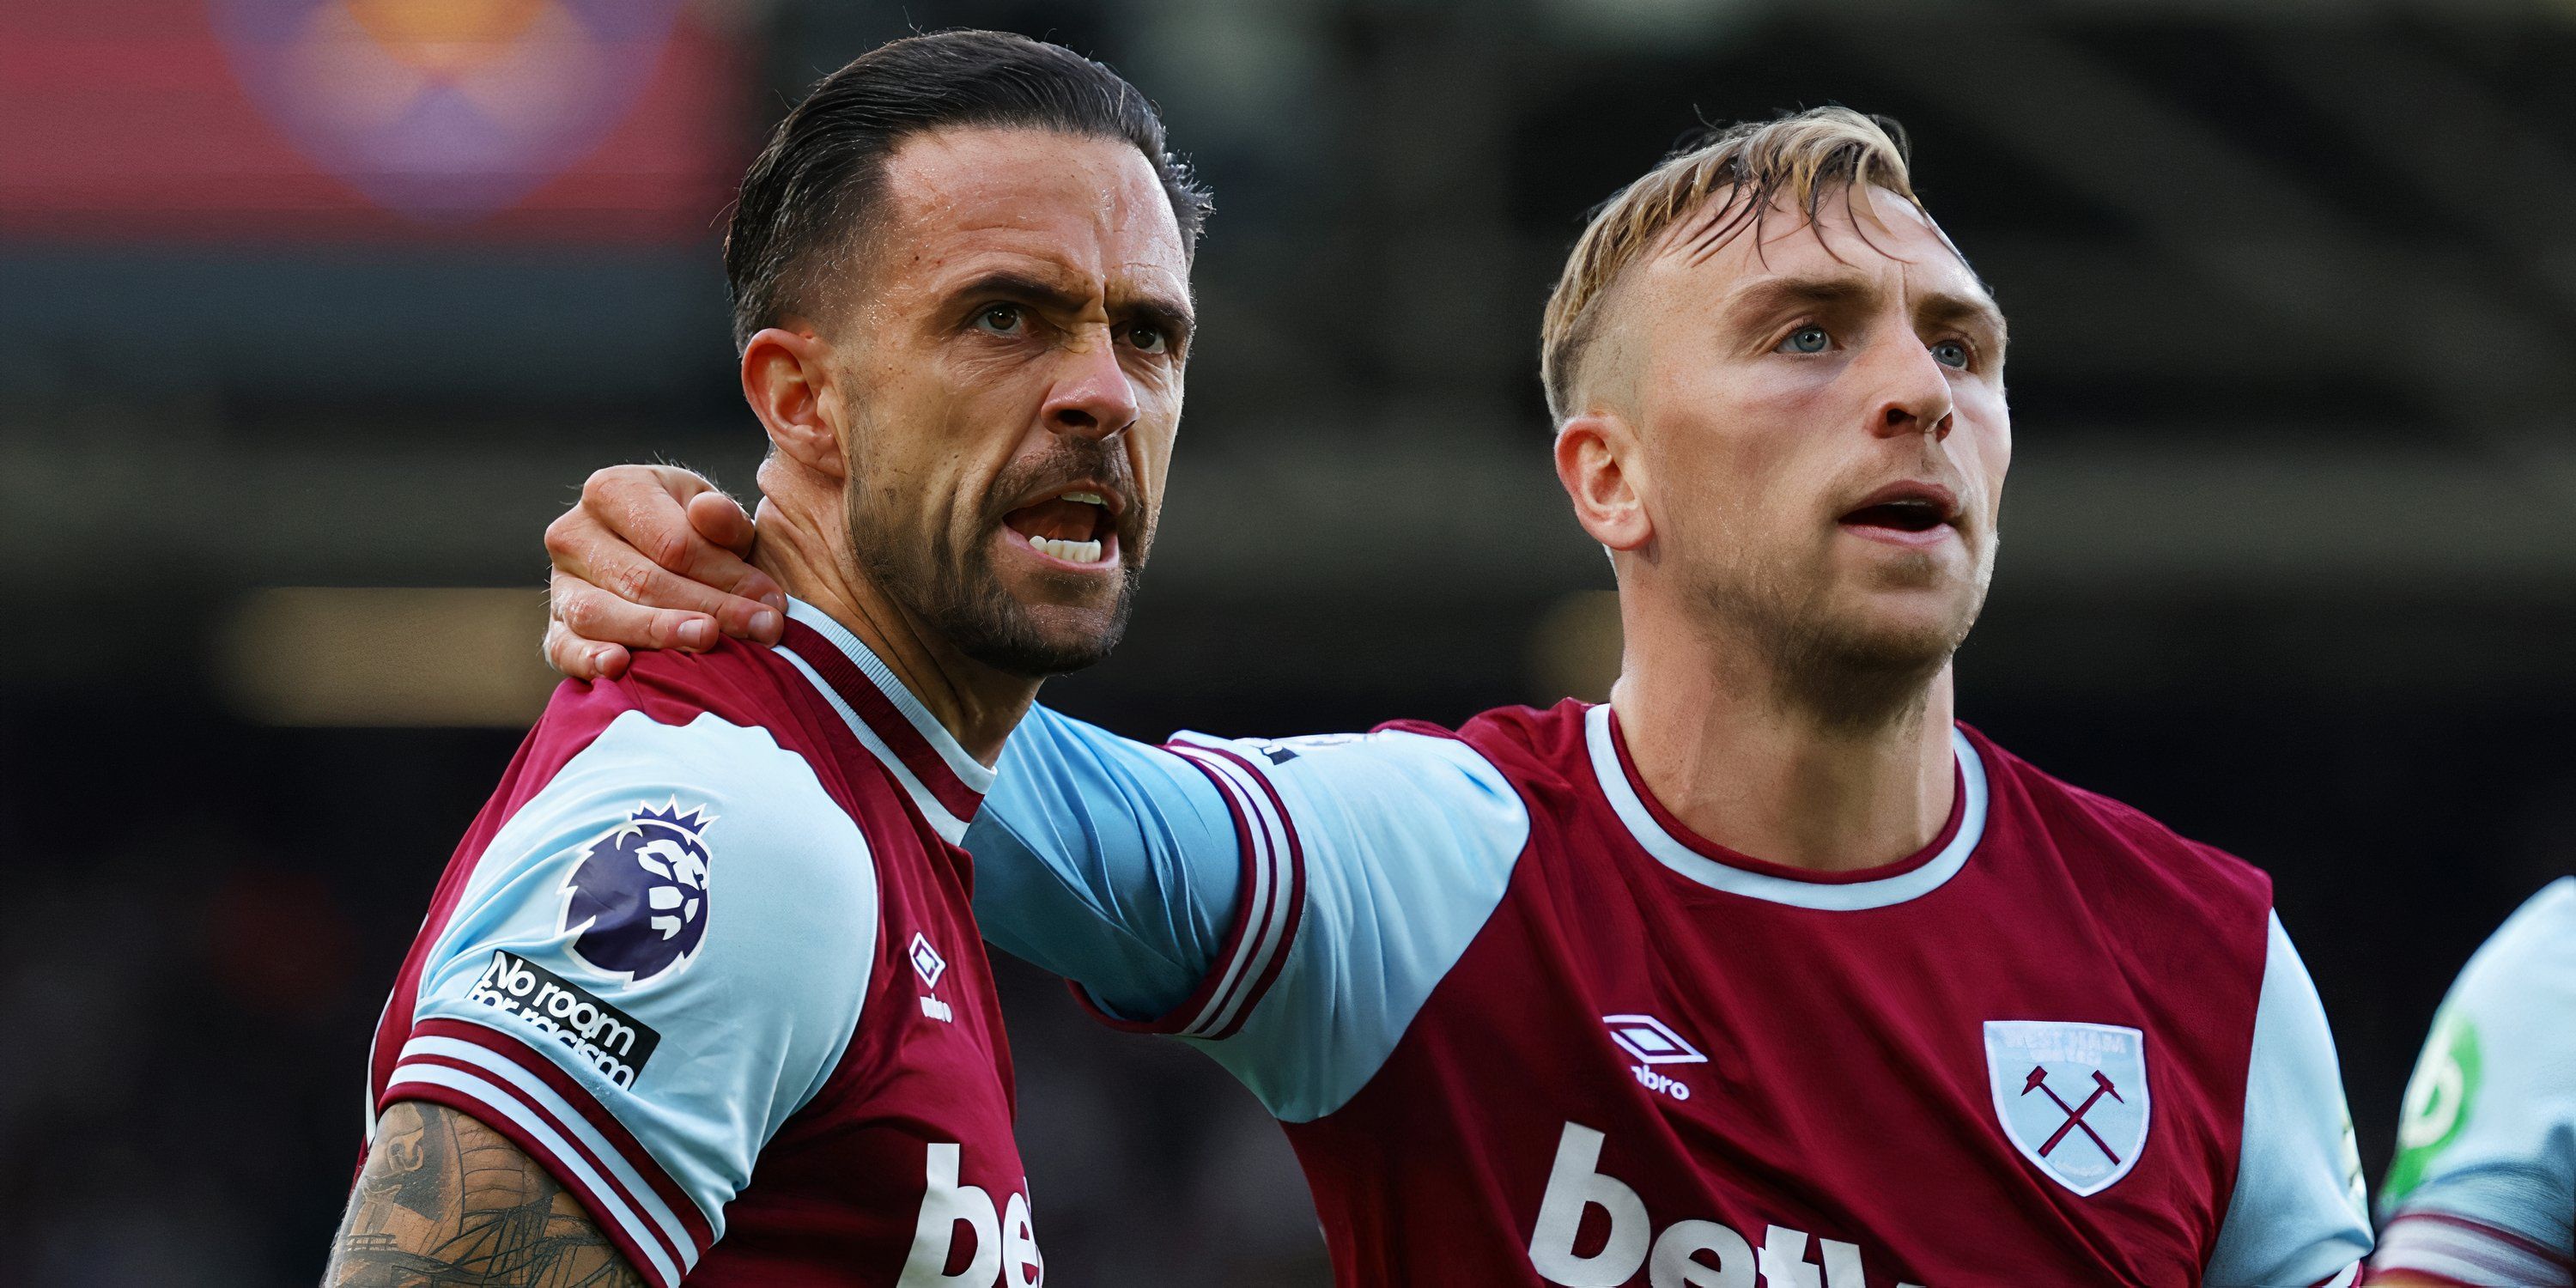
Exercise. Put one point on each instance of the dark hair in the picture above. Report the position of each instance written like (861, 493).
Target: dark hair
(821, 178)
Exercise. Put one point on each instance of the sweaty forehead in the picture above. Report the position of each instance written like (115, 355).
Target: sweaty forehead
(975, 199)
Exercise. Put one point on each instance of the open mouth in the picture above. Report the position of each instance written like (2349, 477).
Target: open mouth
(1908, 513)
(1904, 516)
(1078, 526)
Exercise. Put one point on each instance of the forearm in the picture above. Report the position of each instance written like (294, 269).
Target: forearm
(445, 1200)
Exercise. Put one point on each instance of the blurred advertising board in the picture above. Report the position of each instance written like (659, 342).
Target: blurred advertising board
(621, 121)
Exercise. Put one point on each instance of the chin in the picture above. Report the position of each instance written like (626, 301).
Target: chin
(1040, 639)
(1911, 628)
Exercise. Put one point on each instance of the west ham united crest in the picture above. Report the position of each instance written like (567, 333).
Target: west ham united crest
(2072, 1097)
(637, 901)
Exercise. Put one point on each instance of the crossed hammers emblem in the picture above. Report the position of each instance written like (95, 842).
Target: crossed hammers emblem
(2038, 1081)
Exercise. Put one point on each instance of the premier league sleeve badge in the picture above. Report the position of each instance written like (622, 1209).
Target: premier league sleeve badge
(636, 903)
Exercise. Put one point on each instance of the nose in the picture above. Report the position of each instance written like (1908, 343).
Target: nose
(1917, 398)
(1092, 397)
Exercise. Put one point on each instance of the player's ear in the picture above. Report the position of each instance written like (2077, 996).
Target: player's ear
(787, 379)
(1598, 462)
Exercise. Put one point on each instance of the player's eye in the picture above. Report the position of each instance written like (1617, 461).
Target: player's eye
(1952, 353)
(1806, 339)
(1149, 338)
(1002, 319)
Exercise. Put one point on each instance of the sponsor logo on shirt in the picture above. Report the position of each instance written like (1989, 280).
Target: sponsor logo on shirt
(2071, 1097)
(1654, 1042)
(636, 903)
(604, 1037)
(1683, 1253)
(998, 1245)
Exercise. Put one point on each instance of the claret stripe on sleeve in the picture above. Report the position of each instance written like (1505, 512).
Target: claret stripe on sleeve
(945, 784)
(1274, 895)
(2455, 1249)
(520, 1094)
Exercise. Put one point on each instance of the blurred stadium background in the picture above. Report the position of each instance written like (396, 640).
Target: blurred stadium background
(312, 312)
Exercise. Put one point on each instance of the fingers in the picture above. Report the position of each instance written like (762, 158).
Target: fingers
(622, 613)
(719, 518)
(581, 659)
(719, 560)
(642, 533)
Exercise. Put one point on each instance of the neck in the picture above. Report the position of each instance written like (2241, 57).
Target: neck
(1743, 759)
(977, 704)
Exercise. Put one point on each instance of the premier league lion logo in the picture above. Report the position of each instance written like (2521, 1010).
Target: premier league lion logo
(637, 901)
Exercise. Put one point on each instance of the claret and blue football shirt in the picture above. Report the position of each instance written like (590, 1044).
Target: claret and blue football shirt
(708, 957)
(1523, 1027)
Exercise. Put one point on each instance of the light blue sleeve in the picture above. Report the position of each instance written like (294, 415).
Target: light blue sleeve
(1286, 905)
(1108, 861)
(2299, 1215)
(2483, 1189)
(656, 960)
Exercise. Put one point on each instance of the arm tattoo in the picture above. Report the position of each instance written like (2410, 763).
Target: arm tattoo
(446, 1202)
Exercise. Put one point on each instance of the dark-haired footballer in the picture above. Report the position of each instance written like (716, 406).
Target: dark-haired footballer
(701, 996)
(1765, 973)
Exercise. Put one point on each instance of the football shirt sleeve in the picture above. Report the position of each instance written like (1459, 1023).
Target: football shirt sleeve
(1108, 861)
(1287, 905)
(2483, 1189)
(2299, 1214)
(658, 957)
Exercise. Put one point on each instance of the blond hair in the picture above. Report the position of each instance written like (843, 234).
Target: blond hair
(1799, 159)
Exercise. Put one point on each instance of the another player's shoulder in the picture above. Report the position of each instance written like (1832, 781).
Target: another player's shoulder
(2110, 843)
(2530, 961)
(744, 684)
(1543, 750)
(2545, 925)
(735, 789)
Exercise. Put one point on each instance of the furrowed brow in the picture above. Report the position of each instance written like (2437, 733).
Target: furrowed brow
(1164, 311)
(1024, 289)
(1943, 308)
(1167, 312)
(1762, 300)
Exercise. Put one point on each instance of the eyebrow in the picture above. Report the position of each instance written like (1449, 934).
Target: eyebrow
(1783, 294)
(1172, 315)
(1963, 310)
(1763, 298)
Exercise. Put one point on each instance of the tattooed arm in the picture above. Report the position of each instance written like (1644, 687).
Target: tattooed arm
(445, 1200)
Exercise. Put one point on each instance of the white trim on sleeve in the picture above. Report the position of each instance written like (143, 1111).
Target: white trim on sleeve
(561, 1158)
(1268, 839)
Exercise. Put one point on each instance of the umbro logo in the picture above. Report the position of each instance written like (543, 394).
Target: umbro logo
(929, 965)
(926, 961)
(1651, 1040)
(1654, 1042)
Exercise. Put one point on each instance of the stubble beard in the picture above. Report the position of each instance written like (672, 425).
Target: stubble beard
(954, 591)
(1847, 674)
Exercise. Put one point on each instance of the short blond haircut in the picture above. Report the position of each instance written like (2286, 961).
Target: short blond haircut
(1800, 160)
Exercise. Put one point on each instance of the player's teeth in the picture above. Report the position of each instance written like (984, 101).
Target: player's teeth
(1081, 552)
(1087, 498)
